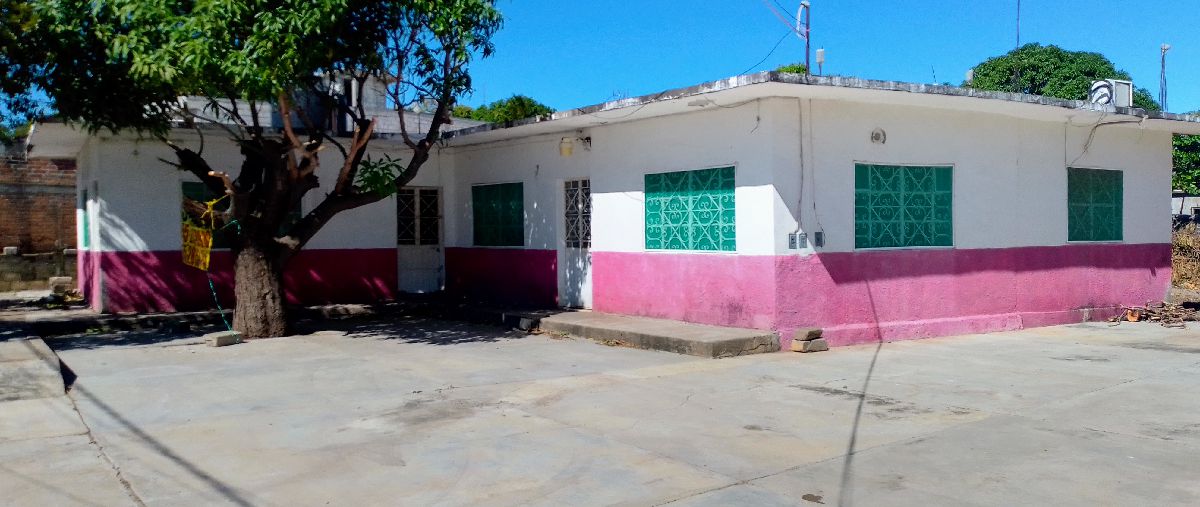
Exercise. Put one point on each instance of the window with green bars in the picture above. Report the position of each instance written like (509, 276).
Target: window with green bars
(903, 206)
(691, 210)
(1094, 205)
(499, 214)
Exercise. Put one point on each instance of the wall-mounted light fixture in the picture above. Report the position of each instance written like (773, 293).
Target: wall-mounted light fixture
(566, 147)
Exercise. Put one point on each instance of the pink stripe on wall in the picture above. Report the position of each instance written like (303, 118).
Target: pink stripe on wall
(504, 275)
(160, 282)
(718, 289)
(886, 295)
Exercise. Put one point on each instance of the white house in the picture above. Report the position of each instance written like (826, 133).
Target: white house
(876, 210)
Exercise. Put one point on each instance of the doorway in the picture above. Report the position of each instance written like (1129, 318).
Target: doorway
(575, 277)
(419, 239)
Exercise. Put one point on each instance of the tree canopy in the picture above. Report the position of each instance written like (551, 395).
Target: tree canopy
(17, 59)
(1053, 72)
(517, 107)
(1187, 163)
(244, 66)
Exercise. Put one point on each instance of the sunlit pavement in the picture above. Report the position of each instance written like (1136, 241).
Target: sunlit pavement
(435, 413)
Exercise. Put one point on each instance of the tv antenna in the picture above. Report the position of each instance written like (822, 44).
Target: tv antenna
(800, 24)
(1162, 78)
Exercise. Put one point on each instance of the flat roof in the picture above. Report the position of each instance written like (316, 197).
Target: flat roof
(770, 84)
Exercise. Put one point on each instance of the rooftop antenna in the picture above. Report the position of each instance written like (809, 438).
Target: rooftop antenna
(801, 26)
(1018, 23)
(805, 13)
(1162, 78)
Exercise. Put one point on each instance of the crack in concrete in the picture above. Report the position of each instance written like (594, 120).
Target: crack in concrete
(125, 484)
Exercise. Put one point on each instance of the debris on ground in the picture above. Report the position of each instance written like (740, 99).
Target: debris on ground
(1167, 314)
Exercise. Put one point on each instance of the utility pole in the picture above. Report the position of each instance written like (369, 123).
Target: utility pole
(806, 14)
(1162, 78)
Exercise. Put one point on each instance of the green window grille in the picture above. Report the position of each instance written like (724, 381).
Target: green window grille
(499, 214)
(903, 206)
(691, 210)
(1094, 202)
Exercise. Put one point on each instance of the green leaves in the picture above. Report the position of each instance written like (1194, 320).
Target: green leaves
(1053, 72)
(378, 176)
(121, 63)
(1187, 164)
(517, 107)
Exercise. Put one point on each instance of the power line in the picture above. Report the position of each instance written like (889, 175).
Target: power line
(777, 44)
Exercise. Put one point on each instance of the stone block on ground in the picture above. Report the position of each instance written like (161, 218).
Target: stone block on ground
(806, 334)
(222, 338)
(12, 250)
(61, 284)
(815, 345)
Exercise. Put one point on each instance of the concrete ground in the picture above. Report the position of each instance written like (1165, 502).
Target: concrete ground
(433, 413)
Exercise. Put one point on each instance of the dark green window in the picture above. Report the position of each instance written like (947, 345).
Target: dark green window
(200, 193)
(691, 210)
(1094, 201)
(499, 214)
(903, 206)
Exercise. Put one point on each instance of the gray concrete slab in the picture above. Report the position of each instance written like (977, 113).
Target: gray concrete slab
(28, 370)
(61, 470)
(666, 335)
(429, 413)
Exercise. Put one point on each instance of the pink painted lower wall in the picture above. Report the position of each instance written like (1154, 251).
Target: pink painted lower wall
(160, 282)
(718, 289)
(87, 268)
(504, 275)
(859, 297)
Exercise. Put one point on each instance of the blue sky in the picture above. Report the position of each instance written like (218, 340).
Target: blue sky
(569, 54)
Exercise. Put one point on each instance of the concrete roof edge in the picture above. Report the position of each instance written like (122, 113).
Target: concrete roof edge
(832, 81)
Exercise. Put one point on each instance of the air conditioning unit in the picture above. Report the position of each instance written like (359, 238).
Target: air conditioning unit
(1114, 92)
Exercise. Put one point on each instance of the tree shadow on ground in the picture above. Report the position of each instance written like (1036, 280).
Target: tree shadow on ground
(412, 330)
(131, 338)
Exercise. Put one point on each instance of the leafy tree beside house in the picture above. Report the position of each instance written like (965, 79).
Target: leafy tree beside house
(517, 107)
(122, 64)
(1053, 72)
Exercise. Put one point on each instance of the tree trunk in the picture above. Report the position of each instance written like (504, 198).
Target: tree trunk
(258, 287)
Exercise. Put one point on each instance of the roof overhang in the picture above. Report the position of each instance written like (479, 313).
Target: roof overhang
(763, 85)
(55, 139)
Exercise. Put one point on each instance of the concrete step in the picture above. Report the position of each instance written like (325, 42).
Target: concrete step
(29, 370)
(659, 334)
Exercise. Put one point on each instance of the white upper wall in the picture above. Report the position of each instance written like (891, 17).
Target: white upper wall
(741, 136)
(1010, 177)
(137, 206)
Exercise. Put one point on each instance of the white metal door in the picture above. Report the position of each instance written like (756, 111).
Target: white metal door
(576, 257)
(419, 239)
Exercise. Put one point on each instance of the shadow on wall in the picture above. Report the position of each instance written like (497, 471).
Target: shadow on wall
(160, 282)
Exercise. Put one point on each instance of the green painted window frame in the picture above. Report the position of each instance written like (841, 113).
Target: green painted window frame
(498, 214)
(691, 210)
(903, 206)
(1095, 205)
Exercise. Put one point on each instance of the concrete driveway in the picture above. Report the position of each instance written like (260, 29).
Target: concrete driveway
(433, 413)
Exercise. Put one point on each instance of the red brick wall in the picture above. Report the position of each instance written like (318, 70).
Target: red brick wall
(37, 204)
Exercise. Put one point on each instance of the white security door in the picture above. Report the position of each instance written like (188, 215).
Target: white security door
(419, 239)
(576, 277)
